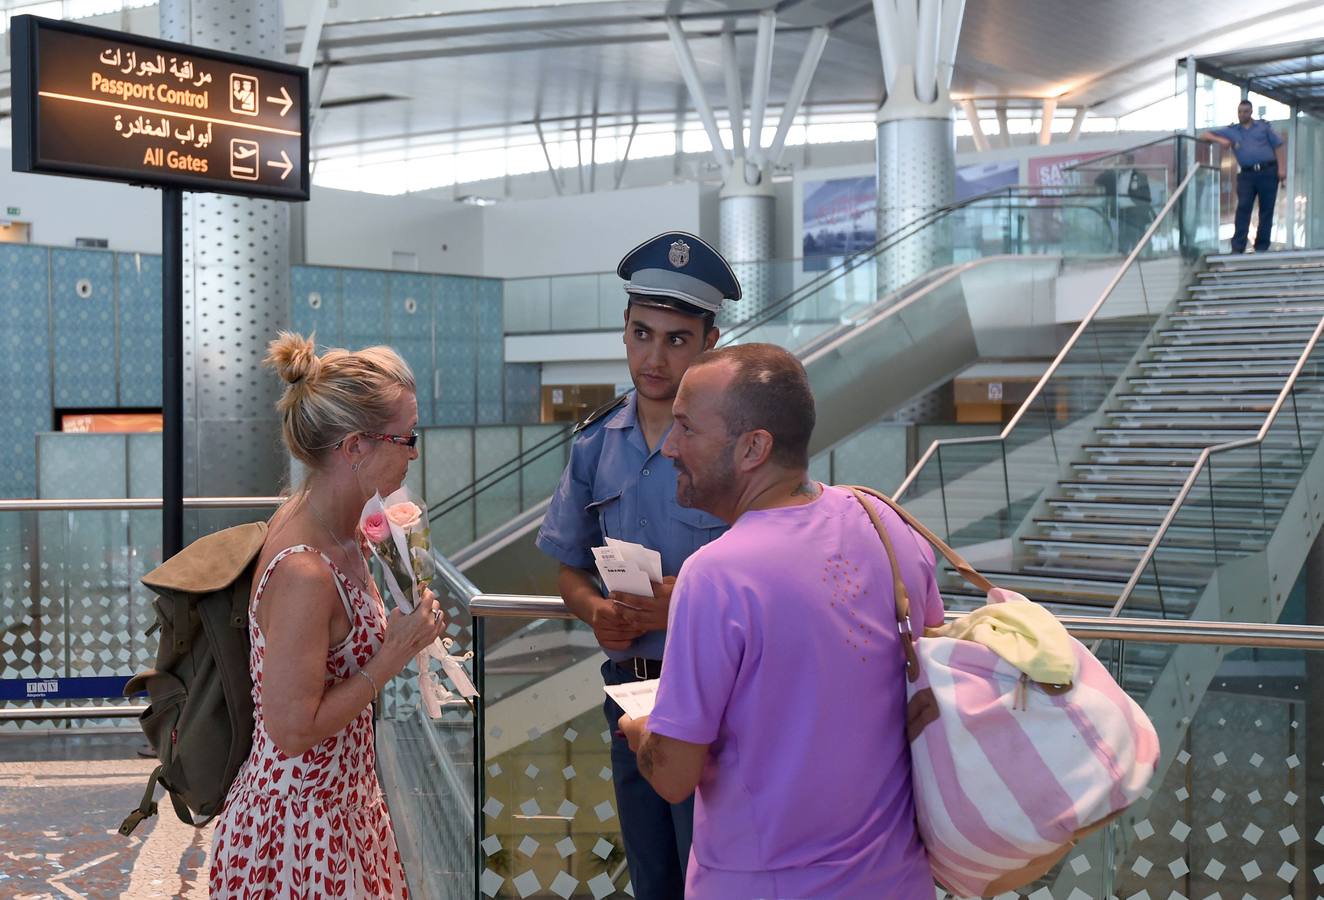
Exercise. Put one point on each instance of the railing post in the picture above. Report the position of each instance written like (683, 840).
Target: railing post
(942, 491)
(480, 749)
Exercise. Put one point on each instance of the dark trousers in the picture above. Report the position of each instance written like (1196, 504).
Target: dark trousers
(656, 833)
(1251, 185)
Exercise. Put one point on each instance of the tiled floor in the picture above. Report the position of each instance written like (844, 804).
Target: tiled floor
(62, 798)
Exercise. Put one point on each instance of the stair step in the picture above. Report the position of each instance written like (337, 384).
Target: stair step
(1186, 529)
(1193, 418)
(1142, 511)
(1231, 330)
(1188, 386)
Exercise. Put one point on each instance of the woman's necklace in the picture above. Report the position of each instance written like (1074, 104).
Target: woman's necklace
(350, 568)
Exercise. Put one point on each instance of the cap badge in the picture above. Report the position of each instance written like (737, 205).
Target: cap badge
(679, 254)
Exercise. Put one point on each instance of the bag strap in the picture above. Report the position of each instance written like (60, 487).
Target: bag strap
(900, 595)
(968, 572)
(146, 809)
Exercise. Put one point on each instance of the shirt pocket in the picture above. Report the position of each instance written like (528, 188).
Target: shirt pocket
(696, 527)
(607, 513)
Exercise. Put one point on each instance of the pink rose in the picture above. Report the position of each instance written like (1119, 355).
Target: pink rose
(375, 527)
(406, 515)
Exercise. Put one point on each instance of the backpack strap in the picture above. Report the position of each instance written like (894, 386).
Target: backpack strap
(335, 576)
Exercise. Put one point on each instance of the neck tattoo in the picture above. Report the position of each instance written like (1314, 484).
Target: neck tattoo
(807, 489)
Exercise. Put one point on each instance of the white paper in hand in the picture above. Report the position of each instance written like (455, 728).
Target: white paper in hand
(619, 574)
(636, 698)
(648, 561)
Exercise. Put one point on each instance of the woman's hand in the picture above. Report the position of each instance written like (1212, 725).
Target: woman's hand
(409, 635)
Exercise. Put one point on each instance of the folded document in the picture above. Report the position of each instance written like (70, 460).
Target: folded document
(628, 568)
(635, 698)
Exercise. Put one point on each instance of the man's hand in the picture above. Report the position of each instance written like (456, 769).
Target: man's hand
(647, 613)
(633, 729)
(610, 626)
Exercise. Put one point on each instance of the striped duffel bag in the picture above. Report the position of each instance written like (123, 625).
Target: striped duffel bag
(1021, 743)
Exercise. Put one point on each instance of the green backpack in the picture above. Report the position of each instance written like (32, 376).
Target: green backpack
(200, 714)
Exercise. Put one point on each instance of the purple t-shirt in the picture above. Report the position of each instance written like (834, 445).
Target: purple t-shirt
(782, 654)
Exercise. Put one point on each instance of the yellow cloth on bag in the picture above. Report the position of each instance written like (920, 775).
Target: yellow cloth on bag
(1023, 633)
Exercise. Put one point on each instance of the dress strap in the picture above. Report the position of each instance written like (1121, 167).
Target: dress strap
(306, 548)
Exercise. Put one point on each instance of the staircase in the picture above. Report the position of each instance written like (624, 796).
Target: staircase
(1209, 373)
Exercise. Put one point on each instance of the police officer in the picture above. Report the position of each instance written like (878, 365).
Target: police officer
(1259, 152)
(618, 484)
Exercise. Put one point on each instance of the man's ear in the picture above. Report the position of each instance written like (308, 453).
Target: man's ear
(753, 449)
(710, 339)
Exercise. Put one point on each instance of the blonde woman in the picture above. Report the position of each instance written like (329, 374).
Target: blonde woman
(305, 816)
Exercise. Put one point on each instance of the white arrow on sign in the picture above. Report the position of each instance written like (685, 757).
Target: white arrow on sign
(285, 100)
(284, 164)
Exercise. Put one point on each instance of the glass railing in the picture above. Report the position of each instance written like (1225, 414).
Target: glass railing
(1015, 220)
(1225, 517)
(1234, 808)
(549, 823)
(72, 608)
(476, 479)
(979, 490)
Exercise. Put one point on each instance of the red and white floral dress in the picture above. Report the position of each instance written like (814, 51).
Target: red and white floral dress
(311, 826)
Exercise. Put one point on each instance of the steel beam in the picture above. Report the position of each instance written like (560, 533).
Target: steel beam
(927, 28)
(804, 76)
(1046, 121)
(1076, 123)
(976, 127)
(690, 72)
(758, 100)
(885, 19)
(735, 99)
(625, 157)
(551, 169)
(953, 14)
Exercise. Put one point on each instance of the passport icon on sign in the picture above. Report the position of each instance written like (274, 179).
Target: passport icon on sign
(243, 94)
(243, 159)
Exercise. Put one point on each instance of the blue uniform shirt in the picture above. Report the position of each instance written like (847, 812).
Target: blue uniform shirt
(1254, 144)
(614, 486)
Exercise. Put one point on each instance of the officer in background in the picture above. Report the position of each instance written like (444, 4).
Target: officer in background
(1260, 154)
(618, 484)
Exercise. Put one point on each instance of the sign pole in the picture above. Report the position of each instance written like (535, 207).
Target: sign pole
(172, 371)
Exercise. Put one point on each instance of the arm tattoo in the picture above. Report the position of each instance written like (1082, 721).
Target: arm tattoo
(650, 756)
(808, 489)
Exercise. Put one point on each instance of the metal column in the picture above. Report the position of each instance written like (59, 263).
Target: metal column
(236, 284)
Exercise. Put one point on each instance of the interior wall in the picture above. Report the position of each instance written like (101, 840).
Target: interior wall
(63, 209)
(348, 228)
(584, 232)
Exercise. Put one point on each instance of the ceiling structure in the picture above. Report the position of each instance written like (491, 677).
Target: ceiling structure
(430, 76)
(415, 73)
(1289, 73)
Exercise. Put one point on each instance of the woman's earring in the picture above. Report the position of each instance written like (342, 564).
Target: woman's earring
(354, 467)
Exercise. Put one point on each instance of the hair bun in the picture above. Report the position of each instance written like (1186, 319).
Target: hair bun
(294, 357)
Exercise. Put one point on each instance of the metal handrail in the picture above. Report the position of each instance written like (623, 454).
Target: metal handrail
(1066, 349)
(1139, 630)
(131, 503)
(1206, 454)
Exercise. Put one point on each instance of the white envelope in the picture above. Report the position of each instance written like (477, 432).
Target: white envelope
(649, 561)
(619, 574)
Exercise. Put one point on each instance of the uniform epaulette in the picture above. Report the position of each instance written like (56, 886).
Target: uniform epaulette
(601, 412)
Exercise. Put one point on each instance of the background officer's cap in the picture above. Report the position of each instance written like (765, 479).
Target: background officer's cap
(678, 271)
